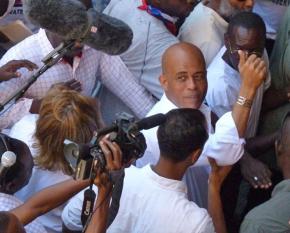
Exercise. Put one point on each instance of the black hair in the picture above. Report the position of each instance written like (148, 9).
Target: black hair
(182, 133)
(20, 149)
(4, 221)
(248, 20)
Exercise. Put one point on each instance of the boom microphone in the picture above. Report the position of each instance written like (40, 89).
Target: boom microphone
(151, 122)
(145, 123)
(71, 20)
(8, 159)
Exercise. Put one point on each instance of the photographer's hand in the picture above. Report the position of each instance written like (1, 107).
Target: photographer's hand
(113, 156)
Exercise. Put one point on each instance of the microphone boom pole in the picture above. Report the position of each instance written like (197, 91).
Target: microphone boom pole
(50, 60)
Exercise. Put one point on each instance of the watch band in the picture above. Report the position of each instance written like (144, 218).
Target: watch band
(243, 101)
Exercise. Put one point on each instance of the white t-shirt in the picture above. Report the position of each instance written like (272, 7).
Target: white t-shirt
(149, 204)
(204, 28)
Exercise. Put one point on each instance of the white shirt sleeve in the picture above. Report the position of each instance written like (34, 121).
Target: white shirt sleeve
(225, 145)
(120, 81)
(19, 109)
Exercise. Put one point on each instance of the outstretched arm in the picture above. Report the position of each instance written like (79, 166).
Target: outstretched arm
(48, 199)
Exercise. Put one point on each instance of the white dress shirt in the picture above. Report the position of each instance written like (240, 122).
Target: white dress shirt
(114, 74)
(151, 38)
(9, 202)
(149, 203)
(225, 145)
(224, 84)
(204, 28)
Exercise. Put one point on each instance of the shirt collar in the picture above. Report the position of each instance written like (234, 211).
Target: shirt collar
(168, 104)
(169, 184)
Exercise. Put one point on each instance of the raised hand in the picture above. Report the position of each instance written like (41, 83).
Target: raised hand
(255, 172)
(9, 70)
(253, 70)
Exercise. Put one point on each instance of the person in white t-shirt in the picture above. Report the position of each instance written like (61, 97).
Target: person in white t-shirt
(206, 25)
(154, 199)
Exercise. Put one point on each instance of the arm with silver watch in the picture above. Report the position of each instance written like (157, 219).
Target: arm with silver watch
(253, 73)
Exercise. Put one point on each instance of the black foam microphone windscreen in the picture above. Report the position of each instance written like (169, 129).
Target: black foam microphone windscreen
(71, 20)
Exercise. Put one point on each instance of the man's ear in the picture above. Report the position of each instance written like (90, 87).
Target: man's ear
(163, 81)
(195, 155)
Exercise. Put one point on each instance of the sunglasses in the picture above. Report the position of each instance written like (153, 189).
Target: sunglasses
(248, 52)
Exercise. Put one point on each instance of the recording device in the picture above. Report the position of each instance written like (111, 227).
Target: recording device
(71, 20)
(8, 158)
(124, 131)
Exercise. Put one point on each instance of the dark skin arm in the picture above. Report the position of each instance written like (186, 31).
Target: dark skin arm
(260, 144)
(251, 167)
(9, 70)
(113, 156)
(216, 178)
(274, 98)
(48, 199)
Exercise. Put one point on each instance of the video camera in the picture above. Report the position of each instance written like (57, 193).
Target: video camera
(124, 131)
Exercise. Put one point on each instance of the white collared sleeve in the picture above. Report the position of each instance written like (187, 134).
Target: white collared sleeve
(225, 145)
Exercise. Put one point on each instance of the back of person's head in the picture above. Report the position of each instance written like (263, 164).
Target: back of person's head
(9, 223)
(183, 132)
(18, 175)
(247, 20)
(64, 114)
(5, 7)
(283, 144)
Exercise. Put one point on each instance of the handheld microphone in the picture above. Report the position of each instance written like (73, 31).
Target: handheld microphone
(71, 20)
(8, 159)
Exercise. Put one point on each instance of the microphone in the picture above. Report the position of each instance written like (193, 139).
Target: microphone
(71, 20)
(145, 123)
(150, 122)
(8, 159)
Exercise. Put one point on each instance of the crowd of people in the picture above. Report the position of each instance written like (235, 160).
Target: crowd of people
(218, 162)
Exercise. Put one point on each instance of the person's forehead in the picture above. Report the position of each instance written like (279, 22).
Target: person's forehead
(241, 35)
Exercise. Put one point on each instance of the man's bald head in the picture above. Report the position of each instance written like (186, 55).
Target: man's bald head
(184, 75)
(181, 51)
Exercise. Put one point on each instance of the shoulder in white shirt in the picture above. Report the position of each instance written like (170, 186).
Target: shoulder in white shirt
(204, 28)
(149, 203)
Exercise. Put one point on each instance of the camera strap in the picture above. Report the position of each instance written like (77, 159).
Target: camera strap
(118, 179)
(88, 204)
